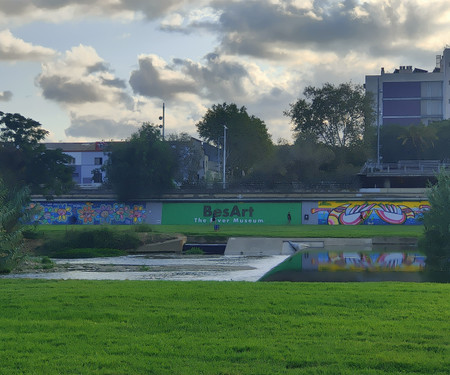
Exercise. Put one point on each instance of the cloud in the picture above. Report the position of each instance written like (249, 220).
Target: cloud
(15, 49)
(5, 96)
(98, 128)
(81, 76)
(274, 29)
(61, 10)
(155, 78)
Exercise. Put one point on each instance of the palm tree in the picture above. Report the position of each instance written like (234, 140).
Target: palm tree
(418, 138)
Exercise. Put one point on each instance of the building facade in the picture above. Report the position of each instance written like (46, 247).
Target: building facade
(89, 157)
(410, 95)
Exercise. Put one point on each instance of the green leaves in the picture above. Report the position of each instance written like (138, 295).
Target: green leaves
(436, 242)
(142, 167)
(248, 140)
(24, 161)
(333, 115)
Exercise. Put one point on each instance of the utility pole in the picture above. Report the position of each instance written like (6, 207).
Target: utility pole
(163, 118)
(224, 154)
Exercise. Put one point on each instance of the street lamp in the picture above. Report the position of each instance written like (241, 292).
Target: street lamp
(163, 117)
(224, 154)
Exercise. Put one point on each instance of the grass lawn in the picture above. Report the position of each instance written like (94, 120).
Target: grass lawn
(138, 327)
(259, 231)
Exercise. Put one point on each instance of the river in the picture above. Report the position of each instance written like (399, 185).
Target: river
(159, 267)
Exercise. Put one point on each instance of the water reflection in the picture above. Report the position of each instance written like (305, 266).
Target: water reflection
(349, 265)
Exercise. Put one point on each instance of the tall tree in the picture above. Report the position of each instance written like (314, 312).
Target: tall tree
(142, 167)
(247, 137)
(25, 161)
(334, 115)
(436, 240)
(12, 203)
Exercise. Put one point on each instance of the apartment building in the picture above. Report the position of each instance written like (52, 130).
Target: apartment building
(411, 95)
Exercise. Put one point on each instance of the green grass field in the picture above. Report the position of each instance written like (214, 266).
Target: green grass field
(260, 231)
(128, 327)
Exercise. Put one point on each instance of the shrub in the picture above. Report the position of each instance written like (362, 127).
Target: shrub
(194, 250)
(143, 228)
(87, 253)
(90, 239)
(436, 241)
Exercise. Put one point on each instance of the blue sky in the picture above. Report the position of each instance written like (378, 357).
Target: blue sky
(96, 69)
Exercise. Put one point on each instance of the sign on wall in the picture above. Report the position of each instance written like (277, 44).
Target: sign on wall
(225, 213)
(370, 212)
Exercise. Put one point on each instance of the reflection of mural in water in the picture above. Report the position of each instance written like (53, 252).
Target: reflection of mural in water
(370, 213)
(362, 261)
(88, 213)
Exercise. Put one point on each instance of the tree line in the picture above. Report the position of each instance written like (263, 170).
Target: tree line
(333, 136)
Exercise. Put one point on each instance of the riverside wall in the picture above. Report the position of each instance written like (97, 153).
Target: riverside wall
(363, 207)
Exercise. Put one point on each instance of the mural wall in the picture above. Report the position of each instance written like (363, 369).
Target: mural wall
(88, 213)
(370, 212)
(241, 213)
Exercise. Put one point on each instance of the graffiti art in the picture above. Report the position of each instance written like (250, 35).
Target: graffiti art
(370, 213)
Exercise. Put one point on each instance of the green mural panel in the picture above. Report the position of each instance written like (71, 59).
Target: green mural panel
(226, 213)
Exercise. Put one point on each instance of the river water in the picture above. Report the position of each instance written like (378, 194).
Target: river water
(160, 267)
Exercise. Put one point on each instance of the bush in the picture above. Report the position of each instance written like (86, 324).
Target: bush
(32, 234)
(90, 239)
(436, 241)
(194, 250)
(143, 228)
(87, 253)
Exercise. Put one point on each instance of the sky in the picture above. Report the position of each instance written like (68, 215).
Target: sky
(92, 70)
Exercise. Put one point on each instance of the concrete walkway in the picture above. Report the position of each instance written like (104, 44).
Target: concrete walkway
(264, 246)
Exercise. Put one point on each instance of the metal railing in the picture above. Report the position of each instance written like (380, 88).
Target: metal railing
(405, 167)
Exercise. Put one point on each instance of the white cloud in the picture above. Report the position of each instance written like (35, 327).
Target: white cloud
(5, 96)
(15, 49)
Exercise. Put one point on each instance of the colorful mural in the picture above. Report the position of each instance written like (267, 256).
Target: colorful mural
(370, 213)
(359, 261)
(89, 213)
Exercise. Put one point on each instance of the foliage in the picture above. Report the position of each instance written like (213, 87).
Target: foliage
(436, 241)
(306, 164)
(194, 250)
(136, 327)
(102, 238)
(11, 211)
(25, 161)
(142, 167)
(333, 115)
(82, 253)
(415, 142)
(248, 140)
(226, 231)
(188, 153)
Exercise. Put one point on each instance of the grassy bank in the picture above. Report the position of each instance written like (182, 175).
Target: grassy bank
(107, 327)
(258, 231)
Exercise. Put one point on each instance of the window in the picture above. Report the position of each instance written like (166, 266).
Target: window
(98, 161)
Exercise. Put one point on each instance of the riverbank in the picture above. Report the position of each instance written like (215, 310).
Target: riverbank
(99, 327)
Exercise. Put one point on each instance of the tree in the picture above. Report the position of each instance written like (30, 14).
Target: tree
(141, 167)
(247, 137)
(436, 240)
(417, 139)
(189, 154)
(12, 203)
(25, 161)
(334, 115)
